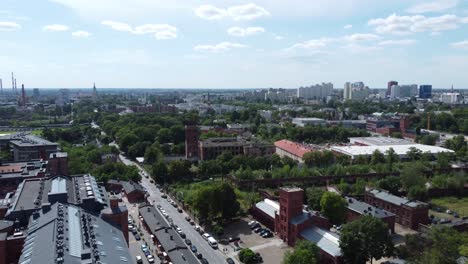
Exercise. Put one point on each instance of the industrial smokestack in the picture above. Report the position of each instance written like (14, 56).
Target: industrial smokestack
(1, 85)
(12, 81)
(16, 87)
(23, 95)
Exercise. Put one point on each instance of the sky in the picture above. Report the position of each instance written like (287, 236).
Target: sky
(233, 44)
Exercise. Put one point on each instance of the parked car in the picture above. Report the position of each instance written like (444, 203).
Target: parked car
(263, 231)
(193, 248)
(258, 257)
(206, 236)
(230, 261)
(182, 235)
(137, 237)
(188, 242)
(213, 243)
(256, 225)
(199, 255)
(192, 222)
(187, 218)
(139, 260)
(179, 210)
(267, 235)
(164, 196)
(252, 223)
(232, 239)
(197, 228)
(204, 261)
(258, 229)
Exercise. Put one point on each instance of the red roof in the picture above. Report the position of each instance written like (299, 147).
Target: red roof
(294, 148)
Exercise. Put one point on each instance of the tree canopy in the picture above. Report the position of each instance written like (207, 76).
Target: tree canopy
(334, 207)
(305, 252)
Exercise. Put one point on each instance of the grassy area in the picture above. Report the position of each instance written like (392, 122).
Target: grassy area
(37, 132)
(459, 205)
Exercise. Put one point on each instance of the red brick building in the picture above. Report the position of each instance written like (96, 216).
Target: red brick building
(58, 164)
(134, 191)
(192, 136)
(292, 222)
(407, 213)
(356, 208)
(291, 149)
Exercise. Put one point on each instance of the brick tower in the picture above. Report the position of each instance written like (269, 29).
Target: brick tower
(191, 142)
(291, 201)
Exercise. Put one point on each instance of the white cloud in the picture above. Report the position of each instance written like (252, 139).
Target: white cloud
(464, 20)
(278, 37)
(81, 34)
(405, 25)
(160, 31)
(436, 6)
(348, 26)
(210, 12)
(461, 44)
(117, 25)
(312, 44)
(357, 48)
(247, 12)
(221, 47)
(362, 37)
(240, 12)
(401, 42)
(9, 26)
(244, 32)
(55, 27)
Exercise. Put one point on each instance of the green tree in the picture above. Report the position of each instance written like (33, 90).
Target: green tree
(178, 170)
(247, 256)
(314, 194)
(414, 154)
(377, 157)
(365, 239)
(391, 184)
(334, 207)
(305, 252)
(160, 172)
(230, 205)
(412, 175)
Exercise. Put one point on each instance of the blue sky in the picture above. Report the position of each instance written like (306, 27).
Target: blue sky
(233, 44)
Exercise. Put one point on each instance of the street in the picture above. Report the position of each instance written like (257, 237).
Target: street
(212, 255)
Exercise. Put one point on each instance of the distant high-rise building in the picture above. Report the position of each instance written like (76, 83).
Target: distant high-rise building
(450, 98)
(318, 91)
(94, 91)
(347, 92)
(36, 93)
(402, 91)
(358, 85)
(425, 91)
(389, 86)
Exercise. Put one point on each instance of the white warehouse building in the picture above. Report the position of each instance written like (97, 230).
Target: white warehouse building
(400, 150)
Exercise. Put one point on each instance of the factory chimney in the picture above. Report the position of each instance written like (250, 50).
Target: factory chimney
(23, 96)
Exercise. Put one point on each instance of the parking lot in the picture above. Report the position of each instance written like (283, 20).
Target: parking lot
(271, 249)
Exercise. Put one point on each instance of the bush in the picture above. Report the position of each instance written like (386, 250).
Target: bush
(218, 230)
(247, 256)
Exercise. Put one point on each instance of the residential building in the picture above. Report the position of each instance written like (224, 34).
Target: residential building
(318, 91)
(293, 150)
(356, 209)
(348, 91)
(450, 98)
(389, 86)
(403, 91)
(58, 163)
(407, 213)
(425, 91)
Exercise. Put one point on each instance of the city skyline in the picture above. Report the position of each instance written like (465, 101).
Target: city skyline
(233, 44)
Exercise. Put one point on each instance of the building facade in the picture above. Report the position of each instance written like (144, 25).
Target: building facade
(407, 213)
(425, 91)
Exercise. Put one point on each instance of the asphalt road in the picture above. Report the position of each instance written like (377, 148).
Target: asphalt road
(213, 256)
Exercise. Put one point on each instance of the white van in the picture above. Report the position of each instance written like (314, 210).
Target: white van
(213, 243)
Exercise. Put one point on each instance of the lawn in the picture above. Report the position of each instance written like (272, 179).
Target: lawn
(459, 205)
(37, 132)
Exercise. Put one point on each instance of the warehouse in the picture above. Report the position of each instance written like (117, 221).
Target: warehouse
(400, 150)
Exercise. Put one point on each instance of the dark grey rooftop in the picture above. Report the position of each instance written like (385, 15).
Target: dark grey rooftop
(128, 186)
(22, 169)
(366, 209)
(390, 198)
(167, 236)
(29, 140)
(67, 234)
(32, 194)
(327, 241)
